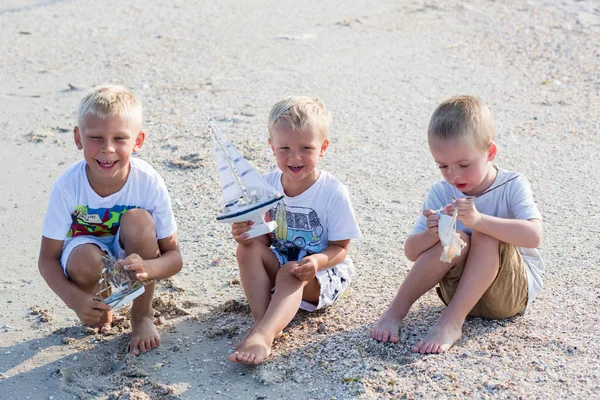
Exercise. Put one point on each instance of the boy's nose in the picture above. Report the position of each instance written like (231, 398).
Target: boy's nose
(454, 174)
(108, 148)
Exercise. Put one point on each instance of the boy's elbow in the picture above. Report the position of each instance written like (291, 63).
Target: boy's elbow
(412, 257)
(536, 240)
(42, 266)
(178, 266)
(537, 233)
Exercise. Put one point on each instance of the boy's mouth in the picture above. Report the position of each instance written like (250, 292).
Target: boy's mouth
(106, 164)
(461, 186)
(294, 168)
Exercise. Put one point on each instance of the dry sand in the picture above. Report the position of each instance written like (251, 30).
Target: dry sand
(381, 67)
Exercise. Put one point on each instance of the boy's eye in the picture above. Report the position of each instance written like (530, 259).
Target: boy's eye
(306, 148)
(442, 166)
(465, 165)
(284, 148)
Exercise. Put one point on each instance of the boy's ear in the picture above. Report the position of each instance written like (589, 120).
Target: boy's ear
(492, 151)
(324, 147)
(271, 145)
(77, 138)
(139, 141)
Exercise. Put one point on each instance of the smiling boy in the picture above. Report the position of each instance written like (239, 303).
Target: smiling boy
(498, 273)
(306, 259)
(109, 204)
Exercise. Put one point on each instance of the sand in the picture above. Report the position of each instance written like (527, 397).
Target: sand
(381, 68)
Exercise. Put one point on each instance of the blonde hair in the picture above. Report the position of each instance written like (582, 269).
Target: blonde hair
(464, 118)
(110, 101)
(301, 112)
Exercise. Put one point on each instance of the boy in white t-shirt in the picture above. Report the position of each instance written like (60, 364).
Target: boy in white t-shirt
(498, 272)
(109, 204)
(305, 260)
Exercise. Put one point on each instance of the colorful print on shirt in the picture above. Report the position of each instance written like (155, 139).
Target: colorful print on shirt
(97, 221)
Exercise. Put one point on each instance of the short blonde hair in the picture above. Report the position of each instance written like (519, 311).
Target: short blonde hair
(110, 101)
(301, 112)
(465, 118)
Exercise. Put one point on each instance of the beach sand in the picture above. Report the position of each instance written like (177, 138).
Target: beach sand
(381, 68)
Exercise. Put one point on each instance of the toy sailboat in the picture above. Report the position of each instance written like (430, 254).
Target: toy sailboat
(451, 242)
(120, 285)
(246, 195)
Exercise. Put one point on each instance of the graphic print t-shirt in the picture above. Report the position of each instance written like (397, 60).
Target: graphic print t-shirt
(307, 222)
(75, 209)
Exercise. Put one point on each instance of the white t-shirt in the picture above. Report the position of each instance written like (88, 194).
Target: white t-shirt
(307, 222)
(75, 209)
(513, 200)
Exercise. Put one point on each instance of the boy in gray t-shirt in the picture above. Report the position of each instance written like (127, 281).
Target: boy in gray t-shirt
(498, 271)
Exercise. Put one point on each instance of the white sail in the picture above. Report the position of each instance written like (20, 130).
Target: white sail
(235, 184)
(231, 191)
(246, 195)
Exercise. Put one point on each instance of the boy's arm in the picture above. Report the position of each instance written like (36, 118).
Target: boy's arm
(519, 232)
(168, 264)
(335, 253)
(418, 243)
(85, 305)
(239, 232)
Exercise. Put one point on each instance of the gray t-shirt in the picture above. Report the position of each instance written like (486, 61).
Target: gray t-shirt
(513, 200)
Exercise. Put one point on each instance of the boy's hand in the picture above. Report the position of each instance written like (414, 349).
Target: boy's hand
(239, 229)
(90, 309)
(432, 222)
(467, 212)
(306, 269)
(134, 262)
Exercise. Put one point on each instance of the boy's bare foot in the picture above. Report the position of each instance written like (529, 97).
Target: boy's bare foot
(386, 328)
(439, 338)
(255, 349)
(241, 342)
(105, 323)
(144, 336)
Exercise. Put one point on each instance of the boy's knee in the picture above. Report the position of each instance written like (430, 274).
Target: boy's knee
(286, 269)
(252, 248)
(480, 239)
(137, 224)
(84, 264)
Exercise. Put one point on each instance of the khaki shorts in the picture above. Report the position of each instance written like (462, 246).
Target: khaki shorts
(506, 296)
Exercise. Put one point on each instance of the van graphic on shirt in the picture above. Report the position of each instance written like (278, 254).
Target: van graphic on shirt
(298, 228)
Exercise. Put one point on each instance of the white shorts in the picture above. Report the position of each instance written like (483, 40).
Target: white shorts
(112, 248)
(333, 282)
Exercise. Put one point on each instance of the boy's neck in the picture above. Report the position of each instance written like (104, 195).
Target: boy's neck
(296, 188)
(106, 187)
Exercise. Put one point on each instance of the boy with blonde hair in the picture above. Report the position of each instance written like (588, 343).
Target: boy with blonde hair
(109, 204)
(498, 272)
(305, 260)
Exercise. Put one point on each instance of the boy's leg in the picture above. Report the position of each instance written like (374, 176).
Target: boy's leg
(481, 268)
(138, 235)
(289, 292)
(258, 268)
(427, 271)
(84, 267)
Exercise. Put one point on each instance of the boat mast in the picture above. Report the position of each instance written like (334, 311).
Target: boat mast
(220, 141)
